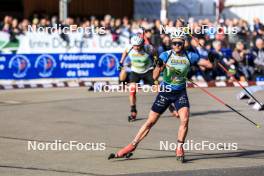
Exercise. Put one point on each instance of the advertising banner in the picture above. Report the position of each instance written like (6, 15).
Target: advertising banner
(74, 42)
(79, 65)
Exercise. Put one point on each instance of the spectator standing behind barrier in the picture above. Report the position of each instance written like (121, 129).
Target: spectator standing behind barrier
(210, 33)
(220, 35)
(116, 30)
(107, 23)
(6, 25)
(165, 44)
(233, 38)
(258, 28)
(148, 38)
(125, 28)
(258, 53)
(225, 60)
(206, 73)
(14, 31)
(157, 33)
(243, 32)
(243, 64)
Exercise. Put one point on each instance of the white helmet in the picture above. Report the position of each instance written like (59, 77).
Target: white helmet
(178, 34)
(136, 40)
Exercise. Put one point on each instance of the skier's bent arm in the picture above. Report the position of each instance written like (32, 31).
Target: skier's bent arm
(124, 55)
(157, 71)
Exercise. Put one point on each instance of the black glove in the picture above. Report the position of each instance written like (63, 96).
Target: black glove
(159, 62)
(120, 66)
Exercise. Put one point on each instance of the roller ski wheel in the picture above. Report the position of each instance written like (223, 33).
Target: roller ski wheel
(180, 159)
(133, 114)
(128, 155)
(113, 156)
(132, 117)
(125, 152)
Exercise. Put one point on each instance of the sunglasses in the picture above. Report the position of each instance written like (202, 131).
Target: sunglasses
(178, 43)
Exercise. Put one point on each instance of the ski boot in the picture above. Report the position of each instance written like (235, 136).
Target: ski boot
(125, 152)
(180, 153)
(133, 114)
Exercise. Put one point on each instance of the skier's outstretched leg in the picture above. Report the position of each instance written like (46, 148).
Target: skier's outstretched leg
(145, 128)
(142, 133)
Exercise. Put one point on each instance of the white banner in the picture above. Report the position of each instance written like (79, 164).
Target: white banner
(42, 42)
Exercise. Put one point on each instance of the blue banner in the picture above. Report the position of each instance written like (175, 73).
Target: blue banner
(36, 66)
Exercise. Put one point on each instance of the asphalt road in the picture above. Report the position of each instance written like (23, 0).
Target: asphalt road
(74, 114)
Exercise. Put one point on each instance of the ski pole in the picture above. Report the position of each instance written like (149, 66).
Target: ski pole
(223, 103)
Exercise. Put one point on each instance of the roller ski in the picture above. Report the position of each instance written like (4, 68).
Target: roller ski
(180, 154)
(133, 114)
(125, 152)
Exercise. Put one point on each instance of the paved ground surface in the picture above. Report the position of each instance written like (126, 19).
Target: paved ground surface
(73, 114)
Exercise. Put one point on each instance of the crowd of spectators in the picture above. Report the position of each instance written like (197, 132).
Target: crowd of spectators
(242, 51)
